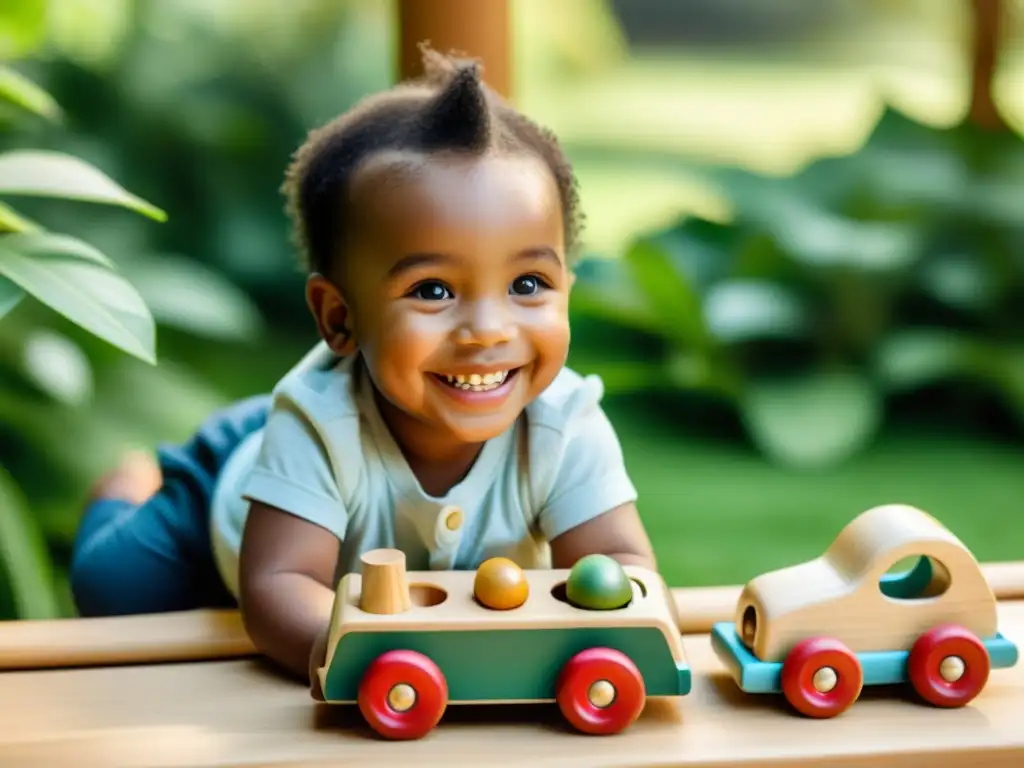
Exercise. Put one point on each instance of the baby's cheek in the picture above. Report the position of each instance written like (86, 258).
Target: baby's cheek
(549, 331)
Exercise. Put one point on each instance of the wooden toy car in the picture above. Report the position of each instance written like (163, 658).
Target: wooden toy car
(819, 631)
(404, 646)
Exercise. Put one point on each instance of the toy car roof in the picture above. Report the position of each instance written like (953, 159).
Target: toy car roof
(885, 534)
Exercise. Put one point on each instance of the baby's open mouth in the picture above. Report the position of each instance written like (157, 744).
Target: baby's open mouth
(476, 382)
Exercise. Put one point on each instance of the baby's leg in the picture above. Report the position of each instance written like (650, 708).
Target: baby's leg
(149, 556)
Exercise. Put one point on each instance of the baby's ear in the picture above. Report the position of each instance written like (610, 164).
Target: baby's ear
(331, 313)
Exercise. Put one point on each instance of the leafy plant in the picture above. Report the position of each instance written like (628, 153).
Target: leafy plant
(72, 278)
(888, 272)
(68, 315)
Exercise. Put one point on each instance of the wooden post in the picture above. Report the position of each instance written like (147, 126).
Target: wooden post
(384, 589)
(480, 29)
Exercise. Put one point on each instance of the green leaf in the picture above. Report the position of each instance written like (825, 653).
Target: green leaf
(12, 221)
(819, 238)
(913, 358)
(740, 311)
(24, 556)
(54, 174)
(669, 296)
(82, 289)
(22, 92)
(187, 295)
(58, 367)
(962, 281)
(10, 296)
(703, 251)
(814, 421)
(55, 244)
(603, 290)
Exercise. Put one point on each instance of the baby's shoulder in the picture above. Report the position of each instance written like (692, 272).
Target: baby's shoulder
(569, 400)
(320, 385)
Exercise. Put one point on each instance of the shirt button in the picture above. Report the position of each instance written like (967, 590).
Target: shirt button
(452, 518)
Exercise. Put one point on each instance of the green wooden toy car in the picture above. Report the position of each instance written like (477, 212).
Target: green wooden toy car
(404, 646)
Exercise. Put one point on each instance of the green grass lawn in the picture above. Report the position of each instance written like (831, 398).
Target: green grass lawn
(719, 513)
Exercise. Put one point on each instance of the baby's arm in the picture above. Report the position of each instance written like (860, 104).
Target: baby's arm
(286, 582)
(291, 542)
(618, 533)
(592, 505)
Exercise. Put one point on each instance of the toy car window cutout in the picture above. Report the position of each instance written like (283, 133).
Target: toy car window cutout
(748, 626)
(916, 578)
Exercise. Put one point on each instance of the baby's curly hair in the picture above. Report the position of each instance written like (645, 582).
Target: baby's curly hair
(448, 109)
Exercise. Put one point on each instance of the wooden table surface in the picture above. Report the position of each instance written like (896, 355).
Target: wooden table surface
(233, 711)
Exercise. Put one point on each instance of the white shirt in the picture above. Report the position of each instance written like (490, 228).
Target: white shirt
(327, 456)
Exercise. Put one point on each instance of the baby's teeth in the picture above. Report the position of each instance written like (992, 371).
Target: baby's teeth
(477, 382)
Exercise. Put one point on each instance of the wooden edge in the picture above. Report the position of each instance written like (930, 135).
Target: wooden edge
(176, 636)
(205, 635)
(1006, 579)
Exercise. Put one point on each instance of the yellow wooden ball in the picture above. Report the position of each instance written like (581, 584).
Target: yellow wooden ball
(500, 584)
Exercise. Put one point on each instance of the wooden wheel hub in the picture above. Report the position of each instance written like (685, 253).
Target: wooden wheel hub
(825, 679)
(402, 697)
(952, 668)
(601, 694)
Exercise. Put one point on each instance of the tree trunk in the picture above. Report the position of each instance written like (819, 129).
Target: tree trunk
(480, 29)
(989, 18)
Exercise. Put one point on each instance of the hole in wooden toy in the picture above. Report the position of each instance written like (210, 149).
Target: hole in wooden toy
(558, 592)
(748, 626)
(640, 585)
(915, 578)
(426, 595)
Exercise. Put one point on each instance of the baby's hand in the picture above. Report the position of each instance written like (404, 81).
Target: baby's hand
(317, 658)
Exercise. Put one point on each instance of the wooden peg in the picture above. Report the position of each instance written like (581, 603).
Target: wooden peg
(384, 585)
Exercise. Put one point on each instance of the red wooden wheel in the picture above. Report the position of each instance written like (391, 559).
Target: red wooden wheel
(600, 691)
(821, 677)
(948, 666)
(403, 695)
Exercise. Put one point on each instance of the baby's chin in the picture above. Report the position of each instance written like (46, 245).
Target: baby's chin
(478, 428)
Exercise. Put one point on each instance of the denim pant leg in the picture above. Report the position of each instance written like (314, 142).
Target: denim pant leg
(157, 556)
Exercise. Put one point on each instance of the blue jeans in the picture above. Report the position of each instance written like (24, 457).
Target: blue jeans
(156, 557)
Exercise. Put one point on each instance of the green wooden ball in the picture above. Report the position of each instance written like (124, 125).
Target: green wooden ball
(598, 583)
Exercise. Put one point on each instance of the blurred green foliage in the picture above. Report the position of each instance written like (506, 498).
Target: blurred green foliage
(890, 273)
(68, 276)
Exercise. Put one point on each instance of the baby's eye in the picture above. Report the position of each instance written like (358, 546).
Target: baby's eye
(432, 290)
(526, 285)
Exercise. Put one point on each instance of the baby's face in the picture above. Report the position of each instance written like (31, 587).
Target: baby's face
(458, 287)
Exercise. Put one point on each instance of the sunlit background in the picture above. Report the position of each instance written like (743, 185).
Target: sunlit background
(804, 290)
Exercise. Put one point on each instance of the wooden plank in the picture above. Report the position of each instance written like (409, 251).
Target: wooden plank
(237, 712)
(182, 636)
(481, 29)
(209, 635)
